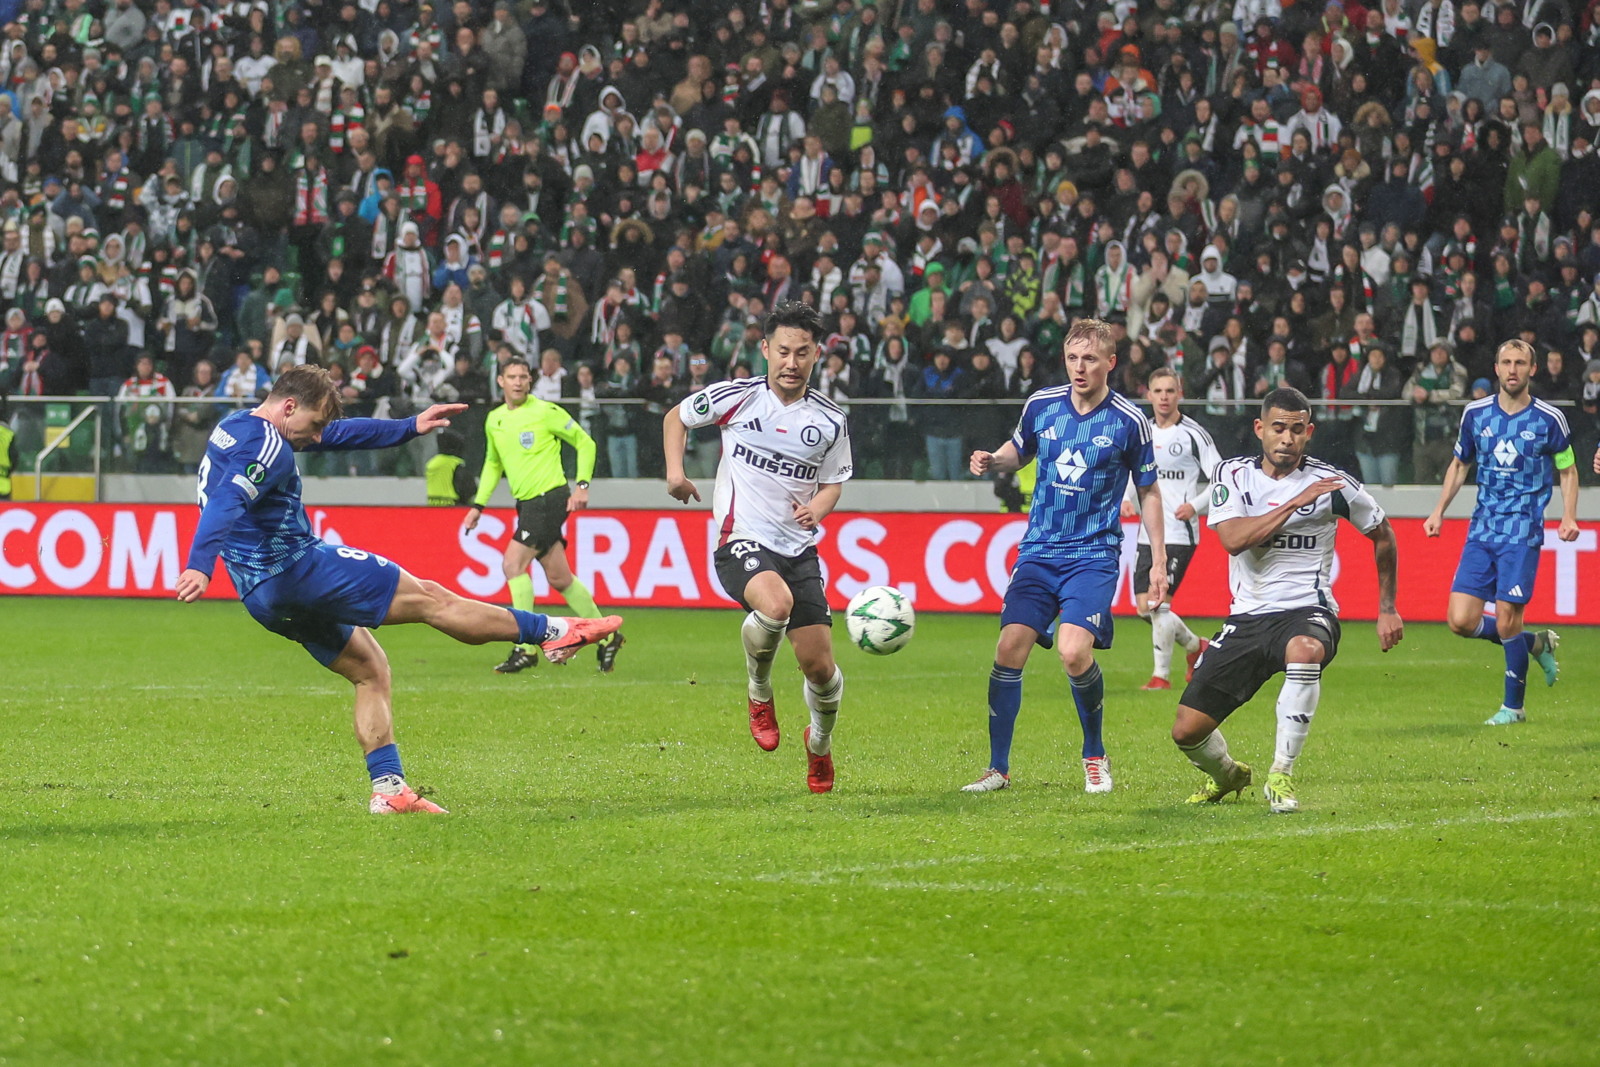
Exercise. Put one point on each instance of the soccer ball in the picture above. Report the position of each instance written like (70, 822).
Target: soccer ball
(880, 620)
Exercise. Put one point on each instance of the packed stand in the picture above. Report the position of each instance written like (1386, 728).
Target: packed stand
(1360, 202)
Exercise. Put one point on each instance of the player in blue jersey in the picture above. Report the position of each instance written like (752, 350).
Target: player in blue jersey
(1520, 445)
(330, 597)
(1088, 441)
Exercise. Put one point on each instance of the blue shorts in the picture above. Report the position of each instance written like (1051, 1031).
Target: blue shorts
(1497, 572)
(324, 596)
(1076, 591)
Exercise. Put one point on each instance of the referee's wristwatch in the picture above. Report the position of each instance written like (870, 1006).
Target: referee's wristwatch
(581, 484)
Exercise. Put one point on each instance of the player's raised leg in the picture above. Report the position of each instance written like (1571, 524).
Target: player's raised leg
(771, 602)
(364, 665)
(824, 690)
(473, 622)
(1193, 644)
(1505, 628)
(579, 599)
(1297, 703)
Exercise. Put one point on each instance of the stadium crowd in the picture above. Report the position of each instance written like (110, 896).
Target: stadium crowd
(1358, 201)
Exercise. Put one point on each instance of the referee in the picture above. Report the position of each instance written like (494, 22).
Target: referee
(523, 441)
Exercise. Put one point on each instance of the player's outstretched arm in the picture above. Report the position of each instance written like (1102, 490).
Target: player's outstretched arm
(1243, 532)
(437, 417)
(674, 437)
(353, 434)
(1455, 476)
(1004, 460)
(1386, 554)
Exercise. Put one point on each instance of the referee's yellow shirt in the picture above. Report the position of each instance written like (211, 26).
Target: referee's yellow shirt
(524, 444)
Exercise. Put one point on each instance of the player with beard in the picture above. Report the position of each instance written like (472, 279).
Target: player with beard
(1276, 514)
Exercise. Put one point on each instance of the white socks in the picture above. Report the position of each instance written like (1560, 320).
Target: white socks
(824, 705)
(1179, 631)
(1297, 703)
(1167, 630)
(1160, 644)
(762, 636)
(1211, 756)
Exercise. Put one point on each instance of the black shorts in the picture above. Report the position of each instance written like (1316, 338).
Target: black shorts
(1249, 650)
(539, 520)
(739, 561)
(1178, 557)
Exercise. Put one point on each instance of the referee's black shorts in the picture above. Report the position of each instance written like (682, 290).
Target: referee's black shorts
(539, 520)
(1250, 650)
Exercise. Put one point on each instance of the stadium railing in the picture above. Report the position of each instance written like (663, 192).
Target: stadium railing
(67, 443)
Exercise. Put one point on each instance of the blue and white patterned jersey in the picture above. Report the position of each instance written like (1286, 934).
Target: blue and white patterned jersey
(249, 494)
(1517, 459)
(1084, 465)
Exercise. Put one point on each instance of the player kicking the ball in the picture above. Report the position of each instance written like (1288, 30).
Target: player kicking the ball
(785, 459)
(329, 598)
(1088, 441)
(1185, 458)
(1516, 442)
(1276, 514)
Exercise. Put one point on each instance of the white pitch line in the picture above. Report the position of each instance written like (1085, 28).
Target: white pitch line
(836, 875)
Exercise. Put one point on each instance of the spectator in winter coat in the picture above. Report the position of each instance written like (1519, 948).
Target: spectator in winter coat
(1435, 391)
(245, 380)
(1383, 431)
(1535, 172)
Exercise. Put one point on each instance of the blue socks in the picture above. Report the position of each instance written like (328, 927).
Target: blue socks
(531, 626)
(1517, 650)
(1005, 700)
(384, 761)
(1486, 630)
(1089, 693)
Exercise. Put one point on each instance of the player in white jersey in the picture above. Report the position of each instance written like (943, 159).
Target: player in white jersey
(785, 459)
(1276, 514)
(1185, 457)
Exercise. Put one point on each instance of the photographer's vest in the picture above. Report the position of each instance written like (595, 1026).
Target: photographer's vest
(7, 435)
(441, 478)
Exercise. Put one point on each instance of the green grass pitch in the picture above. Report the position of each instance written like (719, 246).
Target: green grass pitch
(190, 876)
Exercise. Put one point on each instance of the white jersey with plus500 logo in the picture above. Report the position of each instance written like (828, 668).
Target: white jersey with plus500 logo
(774, 456)
(1295, 568)
(1185, 459)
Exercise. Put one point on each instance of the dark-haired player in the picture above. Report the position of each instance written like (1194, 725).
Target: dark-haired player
(522, 441)
(1276, 514)
(329, 597)
(785, 459)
